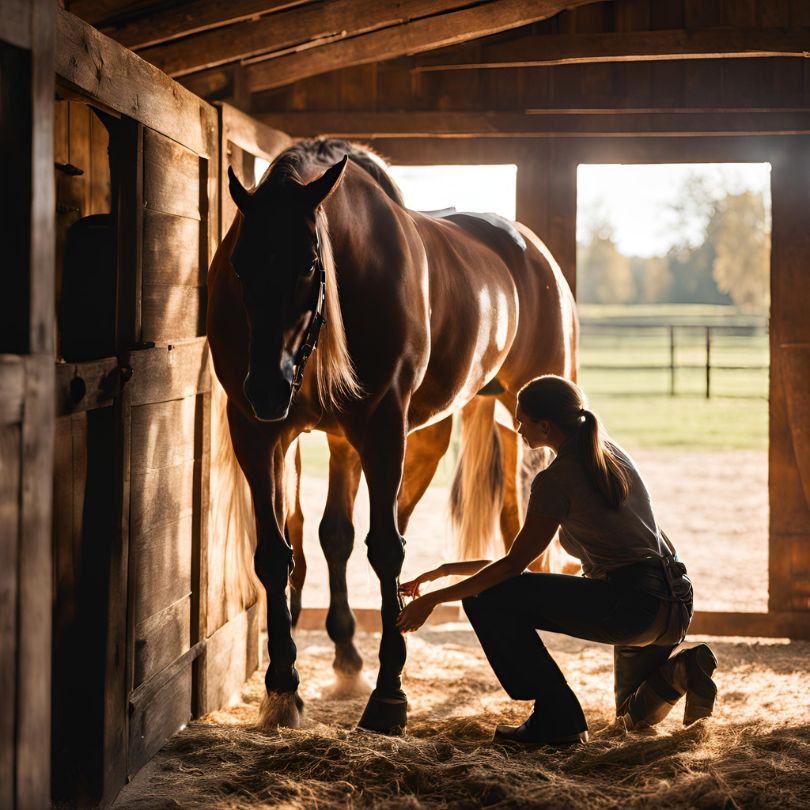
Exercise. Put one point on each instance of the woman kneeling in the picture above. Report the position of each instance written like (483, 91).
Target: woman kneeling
(634, 593)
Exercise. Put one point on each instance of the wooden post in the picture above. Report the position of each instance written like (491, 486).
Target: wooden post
(671, 360)
(789, 548)
(708, 361)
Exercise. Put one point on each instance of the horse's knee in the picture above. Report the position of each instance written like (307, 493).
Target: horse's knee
(336, 533)
(273, 563)
(386, 555)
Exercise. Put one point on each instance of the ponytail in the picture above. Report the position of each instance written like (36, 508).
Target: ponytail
(562, 401)
(607, 472)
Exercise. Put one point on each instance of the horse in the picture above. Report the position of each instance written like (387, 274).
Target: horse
(407, 318)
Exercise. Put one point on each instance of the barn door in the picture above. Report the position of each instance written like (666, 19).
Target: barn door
(232, 626)
(169, 406)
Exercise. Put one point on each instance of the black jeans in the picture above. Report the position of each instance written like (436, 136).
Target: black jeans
(506, 617)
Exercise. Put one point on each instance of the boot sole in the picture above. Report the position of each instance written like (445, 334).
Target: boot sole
(701, 692)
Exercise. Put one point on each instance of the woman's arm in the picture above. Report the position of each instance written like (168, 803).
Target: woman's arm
(531, 542)
(411, 587)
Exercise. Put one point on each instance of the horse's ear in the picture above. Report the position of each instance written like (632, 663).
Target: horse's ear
(239, 194)
(318, 190)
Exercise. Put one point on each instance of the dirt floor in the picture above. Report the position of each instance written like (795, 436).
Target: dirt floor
(754, 752)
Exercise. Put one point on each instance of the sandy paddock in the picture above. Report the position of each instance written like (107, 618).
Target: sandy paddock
(755, 751)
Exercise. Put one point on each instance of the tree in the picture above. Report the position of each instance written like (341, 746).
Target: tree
(742, 240)
(603, 273)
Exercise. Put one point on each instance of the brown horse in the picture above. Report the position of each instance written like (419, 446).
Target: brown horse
(421, 314)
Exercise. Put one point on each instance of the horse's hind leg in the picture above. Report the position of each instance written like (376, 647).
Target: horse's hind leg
(423, 453)
(260, 451)
(336, 533)
(294, 530)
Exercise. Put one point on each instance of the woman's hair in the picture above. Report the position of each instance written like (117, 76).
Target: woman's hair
(563, 402)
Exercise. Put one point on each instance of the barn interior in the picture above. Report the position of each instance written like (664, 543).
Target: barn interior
(130, 114)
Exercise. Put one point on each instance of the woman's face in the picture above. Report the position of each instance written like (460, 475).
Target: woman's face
(535, 434)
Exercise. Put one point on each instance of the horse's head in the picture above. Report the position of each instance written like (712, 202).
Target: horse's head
(276, 259)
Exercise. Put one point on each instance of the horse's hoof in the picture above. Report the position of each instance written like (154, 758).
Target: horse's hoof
(348, 685)
(385, 714)
(280, 709)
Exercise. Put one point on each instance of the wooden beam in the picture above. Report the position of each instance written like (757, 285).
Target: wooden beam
(118, 78)
(409, 38)
(191, 18)
(647, 46)
(15, 23)
(775, 624)
(452, 124)
(285, 30)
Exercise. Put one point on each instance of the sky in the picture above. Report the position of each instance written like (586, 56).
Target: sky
(636, 199)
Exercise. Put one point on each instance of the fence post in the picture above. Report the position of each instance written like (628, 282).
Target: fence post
(672, 360)
(708, 361)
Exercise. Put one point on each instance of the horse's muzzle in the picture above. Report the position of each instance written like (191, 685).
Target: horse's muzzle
(270, 401)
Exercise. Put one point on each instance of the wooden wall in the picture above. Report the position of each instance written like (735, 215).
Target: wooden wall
(133, 582)
(26, 402)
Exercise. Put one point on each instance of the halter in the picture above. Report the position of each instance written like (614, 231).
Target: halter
(317, 320)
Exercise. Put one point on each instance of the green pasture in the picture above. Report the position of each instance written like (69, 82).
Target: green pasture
(633, 400)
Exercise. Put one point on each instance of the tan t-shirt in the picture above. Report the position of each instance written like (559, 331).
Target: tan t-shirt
(601, 537)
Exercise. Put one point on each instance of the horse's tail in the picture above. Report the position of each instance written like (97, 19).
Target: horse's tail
(231, 523)
(476, 496)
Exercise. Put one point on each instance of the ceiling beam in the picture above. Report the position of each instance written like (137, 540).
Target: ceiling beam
(412, 37)
(287, 29)
(647, 46)
(190, 18)
(541, 123)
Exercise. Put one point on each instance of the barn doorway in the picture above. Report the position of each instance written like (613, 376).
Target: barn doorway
(673, 287)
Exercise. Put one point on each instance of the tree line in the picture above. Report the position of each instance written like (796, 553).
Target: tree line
(730, 264)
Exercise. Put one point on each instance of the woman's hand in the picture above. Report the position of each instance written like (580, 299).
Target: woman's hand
(411, 588)
(414, 614)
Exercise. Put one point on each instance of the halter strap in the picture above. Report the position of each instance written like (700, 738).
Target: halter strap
(316, 321)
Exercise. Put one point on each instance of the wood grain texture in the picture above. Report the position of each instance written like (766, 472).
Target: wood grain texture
(126, 83)
(173, 312)
(279, 31)
(10, 447)
(163, 434)
(161, 639)
(174, 372)
(171, 250)
(171, 177)
(12, 389)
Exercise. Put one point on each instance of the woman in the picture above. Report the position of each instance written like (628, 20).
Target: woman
(634, 593)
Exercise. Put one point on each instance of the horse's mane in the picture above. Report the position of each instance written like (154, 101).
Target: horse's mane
(326, 152)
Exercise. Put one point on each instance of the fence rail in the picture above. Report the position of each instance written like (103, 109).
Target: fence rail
(628, 329)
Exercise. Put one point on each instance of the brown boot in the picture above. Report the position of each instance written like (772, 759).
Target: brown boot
(688, 672)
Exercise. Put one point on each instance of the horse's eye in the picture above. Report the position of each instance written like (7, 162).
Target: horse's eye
(311, 269)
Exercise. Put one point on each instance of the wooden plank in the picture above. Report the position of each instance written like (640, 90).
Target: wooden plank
(190, 18)
(161, 565)
(126, 83)
(171, 177)
(647, 46)
(35, 580)
(315, 22)
(173, 312)
(171, 372)
(12, 389)
(10, 449)
(250, 134)
(161, 639)
(779, 624)
(228, 662)
(161, 497)
(171, 250)
(540, 124)
(85, 386)
(99, 190)
(153, 721)
(163, 434)
(202, 487)
(411, 37)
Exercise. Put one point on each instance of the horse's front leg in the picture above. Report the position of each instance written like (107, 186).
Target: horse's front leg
(382, 451)
(260, 450)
